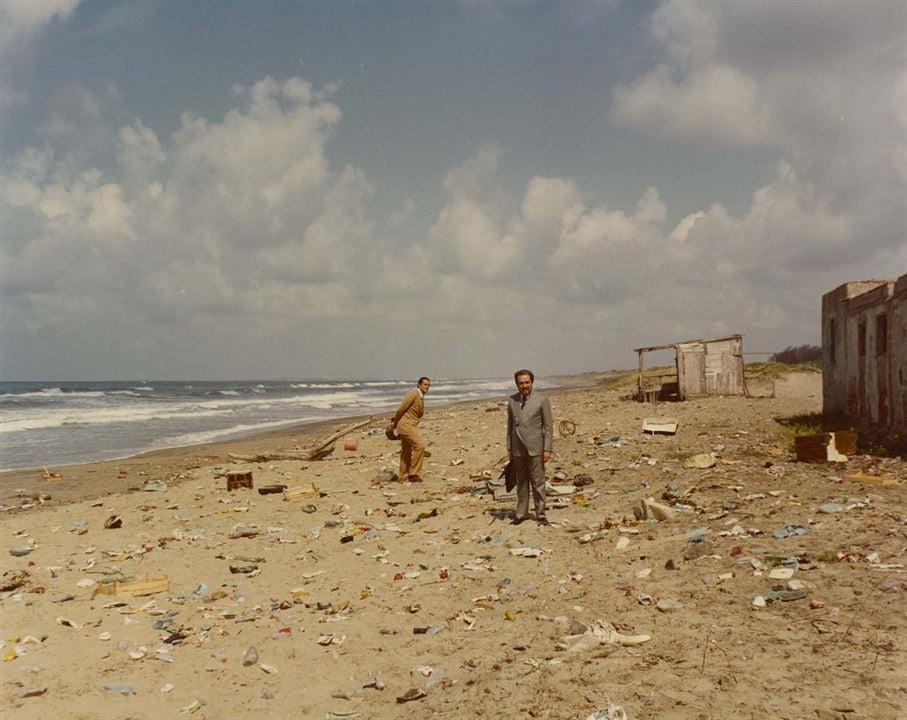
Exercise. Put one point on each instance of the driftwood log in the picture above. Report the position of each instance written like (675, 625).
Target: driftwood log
(313, 453)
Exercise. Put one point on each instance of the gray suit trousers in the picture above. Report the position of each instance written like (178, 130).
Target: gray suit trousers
(530, 473)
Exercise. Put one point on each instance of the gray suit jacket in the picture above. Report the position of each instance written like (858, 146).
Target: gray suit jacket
(530, 429)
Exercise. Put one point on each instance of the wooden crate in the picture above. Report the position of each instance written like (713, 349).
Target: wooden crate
(239, 479)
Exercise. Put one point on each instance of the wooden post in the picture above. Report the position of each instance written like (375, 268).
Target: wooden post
(639, 393)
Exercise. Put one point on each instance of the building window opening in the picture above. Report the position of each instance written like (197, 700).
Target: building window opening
(832, 341)
(882, 334)
(861, 339)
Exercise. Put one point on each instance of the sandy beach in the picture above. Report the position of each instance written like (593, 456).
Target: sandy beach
(776, 589)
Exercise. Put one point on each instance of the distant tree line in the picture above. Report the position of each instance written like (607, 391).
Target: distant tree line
(798, 354)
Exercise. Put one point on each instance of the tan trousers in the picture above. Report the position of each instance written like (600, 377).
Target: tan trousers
(412, 451)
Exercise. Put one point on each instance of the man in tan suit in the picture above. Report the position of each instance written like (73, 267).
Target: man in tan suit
(406, 425)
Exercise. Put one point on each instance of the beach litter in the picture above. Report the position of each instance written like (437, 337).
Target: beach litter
(13, 580)
(666, 605)
(593, 536)
(830, 508)
(298, 494)
(789, 531)
(193, 707)
(122, 689)
(530, 552)
(663, 426)
(649, 509)
(271, 489)
(872, 479)
(133, 588)
(585, 636)
(410, 695)
(612, 712)
(702, 461)
(239, 479)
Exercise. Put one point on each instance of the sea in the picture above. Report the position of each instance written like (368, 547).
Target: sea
(57, 423)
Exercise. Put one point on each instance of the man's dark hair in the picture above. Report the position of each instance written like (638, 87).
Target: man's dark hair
(423, 378)
(524, 372)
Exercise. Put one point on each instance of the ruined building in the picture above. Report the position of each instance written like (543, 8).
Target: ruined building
(864, 353)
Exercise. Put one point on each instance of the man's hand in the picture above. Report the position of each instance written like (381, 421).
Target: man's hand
(546, 456)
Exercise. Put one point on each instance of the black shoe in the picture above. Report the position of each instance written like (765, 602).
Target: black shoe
(517, 520)
(542, 520)
(414, 478)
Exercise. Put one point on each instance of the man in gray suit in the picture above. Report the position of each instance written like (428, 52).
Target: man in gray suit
(529, 436)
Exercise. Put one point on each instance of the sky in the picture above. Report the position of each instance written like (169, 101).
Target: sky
(364, 189)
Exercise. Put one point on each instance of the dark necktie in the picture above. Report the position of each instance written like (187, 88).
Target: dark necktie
(522, 402)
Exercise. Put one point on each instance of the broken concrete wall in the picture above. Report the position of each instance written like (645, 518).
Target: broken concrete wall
(898, 351)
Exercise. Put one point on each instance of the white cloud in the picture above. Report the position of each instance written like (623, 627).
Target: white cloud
(21, 21)
(717, 104)
(468, 235)
(823, 86)
(202, 222)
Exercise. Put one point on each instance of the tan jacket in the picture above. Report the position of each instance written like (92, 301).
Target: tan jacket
(410, 411)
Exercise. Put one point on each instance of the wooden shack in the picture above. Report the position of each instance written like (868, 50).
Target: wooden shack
(864, 353)
(701, 367)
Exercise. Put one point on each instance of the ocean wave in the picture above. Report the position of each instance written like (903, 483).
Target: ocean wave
(204, 436)
(228, 392)
(54, 393)
(70, 417)
(138, 413)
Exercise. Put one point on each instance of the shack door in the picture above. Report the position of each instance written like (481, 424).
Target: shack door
(691, 369)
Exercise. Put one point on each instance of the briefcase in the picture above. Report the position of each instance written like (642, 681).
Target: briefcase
(509, 475)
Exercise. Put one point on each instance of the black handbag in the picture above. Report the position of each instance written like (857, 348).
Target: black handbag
(390, 432)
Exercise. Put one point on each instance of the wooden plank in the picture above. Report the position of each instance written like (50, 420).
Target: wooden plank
(298, 494)
(133, 588)
(872, 479)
